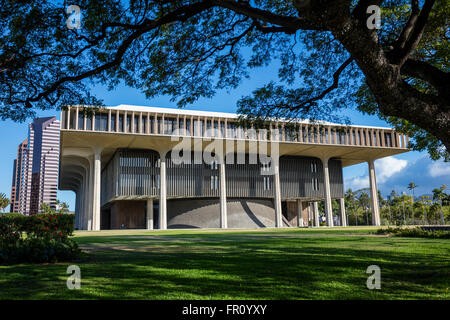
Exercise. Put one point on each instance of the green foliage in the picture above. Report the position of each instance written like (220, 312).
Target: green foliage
(189, 50)
(4, 201)
(399, 209)
(421, 139)
(415, 232)
(37, 238)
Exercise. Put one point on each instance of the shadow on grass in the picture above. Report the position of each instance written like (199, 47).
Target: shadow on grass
(240, 266)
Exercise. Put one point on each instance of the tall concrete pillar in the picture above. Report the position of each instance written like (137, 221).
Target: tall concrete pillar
(97, 189)
(77, 209)
(277, 190)
(327, 193)
(86, 213)
(223, 196)
(90, 195)
(316, 214)
(150, 214)
(343, 215)
(299, 213)
(82, 203)
(374, 195)
(163, 193)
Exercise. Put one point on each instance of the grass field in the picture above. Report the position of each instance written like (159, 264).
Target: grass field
(245, 264)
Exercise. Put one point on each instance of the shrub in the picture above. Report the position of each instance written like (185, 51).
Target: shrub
(415, 232)
(37, 238)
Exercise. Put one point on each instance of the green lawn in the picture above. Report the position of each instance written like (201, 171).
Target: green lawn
(252, 264)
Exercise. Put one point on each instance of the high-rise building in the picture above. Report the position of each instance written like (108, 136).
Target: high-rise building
(18, 173)
(35, 177)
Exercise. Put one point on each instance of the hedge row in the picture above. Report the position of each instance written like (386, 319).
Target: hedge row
(414, 232)
(37, 238)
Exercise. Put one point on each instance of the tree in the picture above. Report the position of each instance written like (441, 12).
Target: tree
(364, 203)
(412, 186)
(4, 202)
(190, 49)
(351, 205)
(425, 200)
(439, 195)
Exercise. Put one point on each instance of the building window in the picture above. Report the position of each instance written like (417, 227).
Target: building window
(113, 122)
(136, 124)
(128, 123)
(80, 121)
(120, 129)
(144, 124)
(388, 139)
(181, 130)
(101, 122)
(214, 180)
(188, 127)
(315, 184)
(266, 178)
(89, 122)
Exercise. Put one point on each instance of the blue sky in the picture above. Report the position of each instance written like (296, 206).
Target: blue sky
(392, 173)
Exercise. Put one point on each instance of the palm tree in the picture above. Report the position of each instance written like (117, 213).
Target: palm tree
(439, 195)
(423, 200)
(4, 201)
(412, 186)
(364, 202)
(350, 204)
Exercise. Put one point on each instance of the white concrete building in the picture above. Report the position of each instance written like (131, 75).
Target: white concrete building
(122, 165)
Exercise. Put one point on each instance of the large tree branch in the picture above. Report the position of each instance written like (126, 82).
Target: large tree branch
(312, 101)
(289, 22)
(404, 35)
(400, 54)
(434, 76)
(181, 14)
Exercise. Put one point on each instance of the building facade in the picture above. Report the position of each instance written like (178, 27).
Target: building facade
(141, 167)
(35, 179)
(18, 174)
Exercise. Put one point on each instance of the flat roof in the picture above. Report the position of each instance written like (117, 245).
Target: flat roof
(213, 114)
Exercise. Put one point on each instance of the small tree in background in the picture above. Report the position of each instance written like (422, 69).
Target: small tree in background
(440, 196)
(4, 202)
(412, 186)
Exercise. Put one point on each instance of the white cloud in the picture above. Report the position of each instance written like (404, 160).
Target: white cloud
(387, 167)
(439, 169)
(384, 169)
(356, 183)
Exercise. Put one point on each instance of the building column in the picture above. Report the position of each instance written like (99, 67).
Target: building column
(343, 216)
(90, 196)
(150, 214)
(77, 209)
(223, 196)
(374, 194)
(299, 213)
(163, 193)
(96, 189)
(86, 206)
(81, 212)
(316, 214)
(327, 193)
(278, 212)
